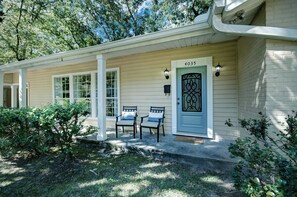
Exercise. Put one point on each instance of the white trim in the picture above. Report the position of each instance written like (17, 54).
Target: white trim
(71, 99)
(1, 88)
(93, 95)
(205, 61)
(253, 31)
(117, 69)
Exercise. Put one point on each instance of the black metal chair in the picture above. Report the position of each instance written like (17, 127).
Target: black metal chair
(154, 120)
(127, 119)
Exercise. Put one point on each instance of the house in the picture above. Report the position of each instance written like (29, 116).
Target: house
(254, 42)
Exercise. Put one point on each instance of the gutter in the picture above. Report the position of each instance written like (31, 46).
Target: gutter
(250, 30)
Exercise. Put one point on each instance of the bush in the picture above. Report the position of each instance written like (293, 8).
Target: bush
(268, 161)
(35, 131)
(20, 130)
(67, 123)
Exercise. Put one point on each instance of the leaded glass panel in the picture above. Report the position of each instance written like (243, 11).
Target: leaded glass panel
(191, 92)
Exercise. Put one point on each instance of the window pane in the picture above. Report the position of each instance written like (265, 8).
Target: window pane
(111, 93)
(61, 89)
(82, 88)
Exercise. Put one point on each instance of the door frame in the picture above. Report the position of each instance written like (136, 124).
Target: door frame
(186, 63)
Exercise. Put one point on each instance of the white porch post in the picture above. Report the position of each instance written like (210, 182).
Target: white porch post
(13, 96)
(22, 87)
(1, 88)
(101, 68)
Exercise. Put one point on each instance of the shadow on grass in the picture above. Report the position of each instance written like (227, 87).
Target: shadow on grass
(112, 175)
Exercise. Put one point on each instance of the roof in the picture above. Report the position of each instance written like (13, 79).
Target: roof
(201, 32)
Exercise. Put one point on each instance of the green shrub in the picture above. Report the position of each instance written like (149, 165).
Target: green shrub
(67, 121)
(20, 130)
(268, 161)
(36, 130)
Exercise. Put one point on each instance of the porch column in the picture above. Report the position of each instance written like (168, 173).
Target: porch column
(13, 96)
(22, 87)
(1, 88)
(101, 68)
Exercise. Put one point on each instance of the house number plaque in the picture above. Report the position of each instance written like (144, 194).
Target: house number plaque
(190, 63)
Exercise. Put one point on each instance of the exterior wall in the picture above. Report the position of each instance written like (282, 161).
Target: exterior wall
(281, 13)
(252, 73)
(40, 81)
(142, 80)
(8, 78)
(281, 60)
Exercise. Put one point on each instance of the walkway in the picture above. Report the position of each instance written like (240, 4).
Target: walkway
(209, 155)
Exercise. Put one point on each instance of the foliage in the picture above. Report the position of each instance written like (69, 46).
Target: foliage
(34, 28)
(34, 131)
(23, 130)
(268, 161)
(67, 121)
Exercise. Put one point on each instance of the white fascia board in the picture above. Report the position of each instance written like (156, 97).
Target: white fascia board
(151, 38)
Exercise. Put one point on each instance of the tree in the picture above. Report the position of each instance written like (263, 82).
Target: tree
(32, 28)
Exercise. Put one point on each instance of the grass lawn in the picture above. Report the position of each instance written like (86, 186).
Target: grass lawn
(93, 174)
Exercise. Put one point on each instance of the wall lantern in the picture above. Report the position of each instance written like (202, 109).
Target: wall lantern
(218, 70)
(166, 73)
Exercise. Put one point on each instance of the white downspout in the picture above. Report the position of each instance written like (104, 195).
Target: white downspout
(253, 31)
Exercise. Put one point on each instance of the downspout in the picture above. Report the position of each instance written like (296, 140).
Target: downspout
(252, 31)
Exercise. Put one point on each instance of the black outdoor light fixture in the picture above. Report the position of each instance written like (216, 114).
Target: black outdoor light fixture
(218, 69)
(166, 73)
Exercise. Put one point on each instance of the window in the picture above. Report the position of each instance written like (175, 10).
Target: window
(61, 89)
(111, 93)
(82, 88)
(76, 87)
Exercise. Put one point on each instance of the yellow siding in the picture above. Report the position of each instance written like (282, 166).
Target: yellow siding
(40, 81)
(8, 78)
(251, 73)
(281, 13)
(281, 60)
(142, 80)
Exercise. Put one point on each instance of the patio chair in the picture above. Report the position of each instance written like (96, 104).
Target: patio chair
(127, 119)
(154, 120)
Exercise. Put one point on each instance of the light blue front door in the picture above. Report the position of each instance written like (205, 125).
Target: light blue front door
(191, 100)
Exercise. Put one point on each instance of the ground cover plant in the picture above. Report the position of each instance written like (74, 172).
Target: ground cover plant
(109, 174)
(268, 160)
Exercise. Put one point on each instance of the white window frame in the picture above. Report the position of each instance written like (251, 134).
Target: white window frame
(118, 89)
(93, 74)
(70, 88)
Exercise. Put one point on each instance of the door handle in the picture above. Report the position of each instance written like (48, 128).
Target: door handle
(178, 103)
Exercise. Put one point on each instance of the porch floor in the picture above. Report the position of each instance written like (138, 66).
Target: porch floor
(210, 155)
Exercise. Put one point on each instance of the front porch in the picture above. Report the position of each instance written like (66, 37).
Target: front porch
(209, 155)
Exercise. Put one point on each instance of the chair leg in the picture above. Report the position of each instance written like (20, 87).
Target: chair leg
(140, 132)
(163, 130)
(134, 131)
(116, 131)
(150, 131)
(123, 128)
(158, 135)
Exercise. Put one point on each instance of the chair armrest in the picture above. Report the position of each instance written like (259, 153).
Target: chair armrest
(117, 118)
(143, 118)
